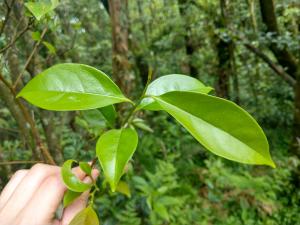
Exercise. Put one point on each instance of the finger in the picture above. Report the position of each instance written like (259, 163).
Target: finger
(44, 202)
(72, 210)
(78, 172)
(11, 186)
(79, 204)
(27, 187)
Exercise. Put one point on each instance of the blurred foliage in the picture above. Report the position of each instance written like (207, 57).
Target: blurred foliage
(172, 179)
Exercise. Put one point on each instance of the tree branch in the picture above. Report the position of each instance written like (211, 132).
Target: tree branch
(284, 57)
(9, 7)
(30, 58)
(39, 144)
(19, 162)
(276, 68)
(16, 37)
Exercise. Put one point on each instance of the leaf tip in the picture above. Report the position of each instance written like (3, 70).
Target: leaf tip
(272, 164)
(19, 95)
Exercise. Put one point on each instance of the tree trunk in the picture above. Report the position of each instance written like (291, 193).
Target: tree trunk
(188, 66)
(47, 117)
(17, 114)
(224, 49)
(139, 54)
(295, 146)
(117, 11)
(286, 60)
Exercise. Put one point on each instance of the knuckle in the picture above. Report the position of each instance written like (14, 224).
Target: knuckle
(38, 166)
(42, 170)
(20, 173)
(54, 181)
(39, 169)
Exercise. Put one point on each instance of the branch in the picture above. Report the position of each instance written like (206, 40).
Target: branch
(30, 58)
(9, 7)
(276, 68)
(19, 162)
(7, 84)
(284, 57)
(16, 38)
(40, 146)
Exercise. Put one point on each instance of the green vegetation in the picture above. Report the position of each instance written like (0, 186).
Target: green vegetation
(247, 51)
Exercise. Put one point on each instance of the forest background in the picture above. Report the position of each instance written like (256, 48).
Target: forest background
(248, 50)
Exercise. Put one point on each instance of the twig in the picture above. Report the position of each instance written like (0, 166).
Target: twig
(30, 58)
(19, 162)
(9, 130)
(40, 146)
(7, 84)
(93, 163)
(16, 38)
(9, 7)
(130, 115)
(276, 68)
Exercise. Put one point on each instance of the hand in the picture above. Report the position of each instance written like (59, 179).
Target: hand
(32, 197)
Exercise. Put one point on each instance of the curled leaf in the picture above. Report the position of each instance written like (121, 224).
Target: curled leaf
(71, 181)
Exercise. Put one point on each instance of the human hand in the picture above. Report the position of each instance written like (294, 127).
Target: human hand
(32, 197)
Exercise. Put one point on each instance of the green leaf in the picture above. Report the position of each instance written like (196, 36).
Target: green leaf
(85, 167)
(50, 47)
(123, 188)
(86, 217)
(219, 125)
(114, 150)
(72, 86)
(140, 123)
(168, 83)
(110, 115)
(41, 7)
(70, 180)
(70, 197)
(161, 210)
(36, 36)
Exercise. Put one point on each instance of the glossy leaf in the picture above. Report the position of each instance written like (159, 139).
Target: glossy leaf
(72, 86)
(50, 47)
(41, 7)
(86, 217)
(114, 150)
(70, 197)
(219, 125)
(36, 36)
(110, 115)
(85, 167)
(140, 123)
(123, 188)
(71, 181)
(168, 83)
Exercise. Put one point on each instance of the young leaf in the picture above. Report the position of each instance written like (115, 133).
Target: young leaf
(86, 217)
(219, 125)
(70, 180)
(123, 188)
(114, 150)
(140, 123)
(36, 36)
(41, 7)
(85, 167)
(110, 115)
(161, 210)
(70, 197)
(72, 86)
(168, 83)
(50, 47)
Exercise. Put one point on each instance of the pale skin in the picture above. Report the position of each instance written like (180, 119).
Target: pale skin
(32, 197)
